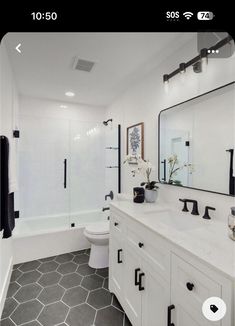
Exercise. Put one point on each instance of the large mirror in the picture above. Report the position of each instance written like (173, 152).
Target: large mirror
(196, 142)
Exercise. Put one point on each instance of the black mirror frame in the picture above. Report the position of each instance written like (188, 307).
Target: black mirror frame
(159, 141)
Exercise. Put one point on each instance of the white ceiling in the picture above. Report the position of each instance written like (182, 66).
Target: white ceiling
(44, 68)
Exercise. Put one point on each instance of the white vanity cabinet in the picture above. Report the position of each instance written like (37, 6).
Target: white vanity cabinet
(157, 283)
(138, 282)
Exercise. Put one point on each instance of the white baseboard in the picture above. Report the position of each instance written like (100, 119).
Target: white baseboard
(6, 282)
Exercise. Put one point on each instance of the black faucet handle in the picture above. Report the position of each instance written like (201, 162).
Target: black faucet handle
(185, 208)
(195, 208)
(206, 214)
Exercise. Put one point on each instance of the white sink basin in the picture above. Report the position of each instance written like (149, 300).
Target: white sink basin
(176, 220)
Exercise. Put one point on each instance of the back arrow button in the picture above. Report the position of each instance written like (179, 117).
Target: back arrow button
(18, 48)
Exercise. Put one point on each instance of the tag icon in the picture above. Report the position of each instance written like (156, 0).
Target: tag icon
(214, 309)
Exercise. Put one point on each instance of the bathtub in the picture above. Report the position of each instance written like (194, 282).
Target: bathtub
(40, 237)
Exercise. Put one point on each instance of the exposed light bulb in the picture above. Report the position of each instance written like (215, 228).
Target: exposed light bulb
(69, 94)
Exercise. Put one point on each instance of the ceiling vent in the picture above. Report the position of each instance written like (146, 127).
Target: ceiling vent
(83, 65)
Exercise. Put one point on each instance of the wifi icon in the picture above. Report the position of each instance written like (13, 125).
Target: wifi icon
(188, 14)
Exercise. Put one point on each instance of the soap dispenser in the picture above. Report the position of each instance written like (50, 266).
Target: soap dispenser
(231, 224)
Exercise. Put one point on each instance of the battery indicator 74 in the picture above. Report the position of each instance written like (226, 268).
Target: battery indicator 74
(205, 15)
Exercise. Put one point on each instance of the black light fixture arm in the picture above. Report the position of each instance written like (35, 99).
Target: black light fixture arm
(204, 53)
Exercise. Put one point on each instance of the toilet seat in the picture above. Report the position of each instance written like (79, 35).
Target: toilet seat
(98, 228)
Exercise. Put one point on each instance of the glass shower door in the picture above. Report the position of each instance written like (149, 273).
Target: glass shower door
(86, 170)
(43, 148)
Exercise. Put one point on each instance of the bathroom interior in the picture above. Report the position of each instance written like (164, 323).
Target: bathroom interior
(117, 179)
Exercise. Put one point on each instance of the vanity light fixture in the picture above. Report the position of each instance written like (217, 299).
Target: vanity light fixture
(63, 106)
(182, 68)
(166, 78)
(198, 61)
(69, 94)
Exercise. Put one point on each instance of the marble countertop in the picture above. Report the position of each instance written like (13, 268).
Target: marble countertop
(206, 239)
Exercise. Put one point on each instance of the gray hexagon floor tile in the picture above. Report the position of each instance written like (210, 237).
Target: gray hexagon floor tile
(7, 322)
(29, 277)
(116, 303)
(16, 266)
(58, 288)
(104, 272)
(32, 323)
(81, 259)
(88, 251)
(28, 292)
(106, 284)
(51, 294)
(15, 275)
(127, 321)
(82, 315)
(49, 279)
(99, 298)
(85, 270)
(47, 267)
(29, 266)
(75, 296)
(26, 312)
(10, 305)
(43, 260)
(13, 288)
(109, 316)
(64, 258)
(92, 282)
(66, 268)
(70, 280)
(80, 252)
(53, 314)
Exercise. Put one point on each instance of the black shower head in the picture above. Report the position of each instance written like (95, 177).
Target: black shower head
(107, 121)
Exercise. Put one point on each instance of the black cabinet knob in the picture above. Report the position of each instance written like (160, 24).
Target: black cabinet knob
(115, 223)
(189, 286)
(140, 244)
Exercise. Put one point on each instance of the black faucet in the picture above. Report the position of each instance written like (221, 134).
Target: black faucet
(195, 206)
(109, 195)
(105, 209)
(206, 214)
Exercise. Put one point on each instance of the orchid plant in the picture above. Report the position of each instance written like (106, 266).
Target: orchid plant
(173, 168)
(145, 168)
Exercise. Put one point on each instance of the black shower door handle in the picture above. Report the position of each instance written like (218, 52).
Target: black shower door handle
(65, 173)
(119, 260)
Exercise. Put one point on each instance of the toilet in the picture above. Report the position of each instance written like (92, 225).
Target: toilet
(98, 235)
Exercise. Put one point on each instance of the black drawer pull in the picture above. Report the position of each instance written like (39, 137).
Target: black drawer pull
(118, 256)
(169, 309)
(141, 287)
(140, 244)
(190, 286)
(115, 223)
(137, 270)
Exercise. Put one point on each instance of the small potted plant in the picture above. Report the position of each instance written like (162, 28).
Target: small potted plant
(145, 167)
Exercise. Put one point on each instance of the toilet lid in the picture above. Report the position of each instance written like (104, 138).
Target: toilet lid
(98, 228)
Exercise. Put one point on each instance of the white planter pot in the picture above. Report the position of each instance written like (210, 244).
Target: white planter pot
(150, 195)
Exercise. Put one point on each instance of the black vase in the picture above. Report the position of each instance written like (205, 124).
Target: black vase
(138, 193)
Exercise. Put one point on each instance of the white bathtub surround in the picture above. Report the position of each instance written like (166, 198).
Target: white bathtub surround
(169, 260)
(98, 235)
(45, 237)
